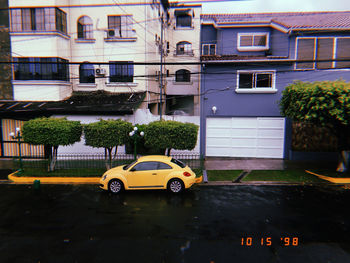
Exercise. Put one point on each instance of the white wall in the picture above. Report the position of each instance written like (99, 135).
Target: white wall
(140, 117)
(41, 90)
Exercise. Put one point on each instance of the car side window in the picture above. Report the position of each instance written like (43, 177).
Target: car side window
(163, 166)
(145, 166)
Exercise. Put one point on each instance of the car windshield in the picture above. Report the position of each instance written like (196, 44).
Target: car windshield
(126, 167)
(178, 162)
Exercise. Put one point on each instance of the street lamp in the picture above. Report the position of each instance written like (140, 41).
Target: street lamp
(17, 136)
(136, 136)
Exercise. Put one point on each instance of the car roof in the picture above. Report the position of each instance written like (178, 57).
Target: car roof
(155, 158)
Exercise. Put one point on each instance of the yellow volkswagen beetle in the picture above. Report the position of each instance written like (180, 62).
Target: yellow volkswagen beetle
(150, 172)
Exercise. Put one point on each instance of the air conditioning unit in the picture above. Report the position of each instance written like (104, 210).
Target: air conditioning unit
(100, 71)
(111, 33)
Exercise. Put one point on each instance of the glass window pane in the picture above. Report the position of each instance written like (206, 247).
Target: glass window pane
(178, 162)
(114, 22)
(182, 75)
(16, 20)
(260, 40)
(86, 73)
(163, 166)
(246, 41)
(39, 19)
(245, 81)
(212, 49)
(121, 72)
(324, 52)
(50, 23)
(26, 19)
(205, 50)
(306, 49)
(263, 80)
(184, 21)
(146, 166)
(343, 52)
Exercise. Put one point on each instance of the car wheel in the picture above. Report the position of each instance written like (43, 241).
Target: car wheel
(115, 186)
(175, 186)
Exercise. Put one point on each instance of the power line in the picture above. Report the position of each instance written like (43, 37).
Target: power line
(216, 62)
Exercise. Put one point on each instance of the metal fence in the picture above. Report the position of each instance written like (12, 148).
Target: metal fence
(97, 161)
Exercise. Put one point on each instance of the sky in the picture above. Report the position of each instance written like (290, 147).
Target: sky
(257, 6)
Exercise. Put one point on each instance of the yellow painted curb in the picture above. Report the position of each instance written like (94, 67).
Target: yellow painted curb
(54, 180)
(331, 179)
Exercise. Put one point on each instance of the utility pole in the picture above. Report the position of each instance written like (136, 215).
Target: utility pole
(161, 69)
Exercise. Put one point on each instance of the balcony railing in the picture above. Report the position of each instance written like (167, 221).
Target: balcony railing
(183, 53)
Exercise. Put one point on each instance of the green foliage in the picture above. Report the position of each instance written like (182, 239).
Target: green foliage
(308, 137)
(107, 133)
(171, 135)
(141, 148)
(51, 131)
(321, 103)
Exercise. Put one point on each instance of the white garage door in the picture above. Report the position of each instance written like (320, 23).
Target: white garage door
(245, 137)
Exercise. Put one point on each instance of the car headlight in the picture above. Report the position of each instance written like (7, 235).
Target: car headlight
(104, 177)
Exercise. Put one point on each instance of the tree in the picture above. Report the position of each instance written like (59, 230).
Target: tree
(325, 103)
(107, 134)
(51, 132)
(169, 135)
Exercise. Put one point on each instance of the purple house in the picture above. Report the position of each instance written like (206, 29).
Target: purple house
(248, 59)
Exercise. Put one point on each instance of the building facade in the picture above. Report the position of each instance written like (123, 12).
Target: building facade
(61, 47)
(183, 46)
(80, 58)
(248, 59)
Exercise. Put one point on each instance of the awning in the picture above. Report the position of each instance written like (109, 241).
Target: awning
(79, 103)
(182, 12)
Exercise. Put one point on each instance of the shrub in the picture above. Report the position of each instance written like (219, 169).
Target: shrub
(171, 135)
(51, 132)
(107, 134)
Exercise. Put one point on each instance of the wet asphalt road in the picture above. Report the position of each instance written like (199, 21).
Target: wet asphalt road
(66, 223)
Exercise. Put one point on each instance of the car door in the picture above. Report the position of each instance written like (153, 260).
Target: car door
(144, 175)
(162, 172)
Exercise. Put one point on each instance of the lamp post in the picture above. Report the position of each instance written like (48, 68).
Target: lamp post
(17, 136)
(136, 136)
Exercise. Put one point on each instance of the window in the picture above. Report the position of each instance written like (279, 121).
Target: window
(253, 41)
(86, 73)
(183, 18)
(121, 71)
(183, 75)
(178, 162)
(343, 52)
(255, 80)
(208, 49)
(145, 166)
(41, 69)
(120, 26)
(38, 20)
(163, 166)
(184, 48)
(61, 21)
(85, 30)
(323, 48)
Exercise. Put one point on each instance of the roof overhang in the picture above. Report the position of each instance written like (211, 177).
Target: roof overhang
(80, 103)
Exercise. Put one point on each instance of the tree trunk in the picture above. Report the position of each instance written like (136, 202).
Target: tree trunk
(115, 152)
(108, 158)
(169, 149)
(53, 159)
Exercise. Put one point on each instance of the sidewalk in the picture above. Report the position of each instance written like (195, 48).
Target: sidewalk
(211, 163)
(219, 163)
